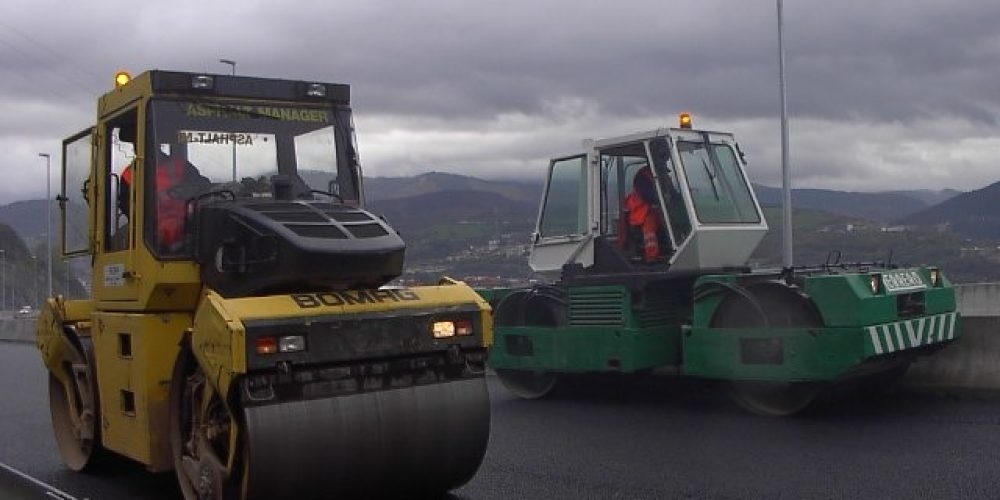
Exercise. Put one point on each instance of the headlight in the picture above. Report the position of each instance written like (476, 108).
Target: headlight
(935, 276)
(292, 343)
(202, 82)
(444, 329)
(285, 343)
(876, 283)
(316, 90)
(447, 329)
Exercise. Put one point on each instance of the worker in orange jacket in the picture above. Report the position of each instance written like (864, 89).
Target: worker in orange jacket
(642, 213)
(171, 171)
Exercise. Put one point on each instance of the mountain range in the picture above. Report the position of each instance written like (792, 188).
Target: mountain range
(975, 214)
(884, 207)
(443, 215)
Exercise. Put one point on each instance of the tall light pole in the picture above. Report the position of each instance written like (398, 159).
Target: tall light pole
(48, 214)
(232, 65)
(3, 280)
(786, 175)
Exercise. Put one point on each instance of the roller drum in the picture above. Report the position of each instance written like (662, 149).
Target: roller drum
(414, 442)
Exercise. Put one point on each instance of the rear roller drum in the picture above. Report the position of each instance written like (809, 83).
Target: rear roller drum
(778, 306)
(74, 410)
(773, 399)
(528, 384)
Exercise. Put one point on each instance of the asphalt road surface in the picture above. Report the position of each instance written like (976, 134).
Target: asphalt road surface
(651, 437)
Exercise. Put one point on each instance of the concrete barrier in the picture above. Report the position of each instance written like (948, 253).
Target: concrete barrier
(17, 330)
(973, 362)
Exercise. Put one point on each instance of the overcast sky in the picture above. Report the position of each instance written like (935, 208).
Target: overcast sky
(894, 94)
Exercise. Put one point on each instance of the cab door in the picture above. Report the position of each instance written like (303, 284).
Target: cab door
(564, 232)
(117, 209)
(77, 191)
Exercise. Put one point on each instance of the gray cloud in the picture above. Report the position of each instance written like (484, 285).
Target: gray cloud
(492, 88)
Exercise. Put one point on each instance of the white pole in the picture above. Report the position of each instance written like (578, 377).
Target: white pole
(48, 215)
(232, 64)
(786, 176)
(3, 280)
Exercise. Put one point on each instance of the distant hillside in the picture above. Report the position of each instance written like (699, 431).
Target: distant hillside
(27, 218)
(439, 224)
(928, 196)
(450, 206)
(975, 214)
(387, 188)
(817, 234)
(879, 207)
(24, 277)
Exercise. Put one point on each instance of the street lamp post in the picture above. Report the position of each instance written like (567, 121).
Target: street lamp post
(48, 215)
(786, 173)
(232, 65)
(3, 280)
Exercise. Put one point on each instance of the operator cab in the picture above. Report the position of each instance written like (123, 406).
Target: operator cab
(672, 200)
(246, 185)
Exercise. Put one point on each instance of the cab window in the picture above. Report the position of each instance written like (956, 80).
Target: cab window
(680, 220)
(120, 139)
(718, 189)
(564, 212)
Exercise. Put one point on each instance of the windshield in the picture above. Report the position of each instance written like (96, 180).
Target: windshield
(245, 149)
(230, 142)
(719, 190)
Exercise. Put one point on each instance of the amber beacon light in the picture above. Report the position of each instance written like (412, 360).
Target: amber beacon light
(685, 119)
(121, 78)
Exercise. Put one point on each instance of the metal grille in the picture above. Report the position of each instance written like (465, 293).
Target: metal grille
(659, 309)
(597, 307)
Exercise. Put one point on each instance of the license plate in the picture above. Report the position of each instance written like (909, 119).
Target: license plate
(902, 281)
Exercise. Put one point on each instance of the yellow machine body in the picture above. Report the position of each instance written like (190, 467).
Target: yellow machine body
(115, 355)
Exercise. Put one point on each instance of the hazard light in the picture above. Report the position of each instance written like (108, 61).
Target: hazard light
(121, 78)
(685, 119)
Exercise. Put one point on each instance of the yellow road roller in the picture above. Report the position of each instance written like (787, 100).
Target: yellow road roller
(240, 329)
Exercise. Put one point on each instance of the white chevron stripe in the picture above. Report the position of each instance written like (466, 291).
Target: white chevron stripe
(899, 336)
(891, 337)
(873, 333)
(915, 336)
(930, 329)
(887, 335)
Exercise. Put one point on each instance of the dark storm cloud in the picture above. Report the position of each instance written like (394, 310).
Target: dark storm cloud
(456, 80)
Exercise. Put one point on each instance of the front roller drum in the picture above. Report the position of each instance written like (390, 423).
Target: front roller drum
(413, 442)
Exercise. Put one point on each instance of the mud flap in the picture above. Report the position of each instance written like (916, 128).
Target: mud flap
(413, 442)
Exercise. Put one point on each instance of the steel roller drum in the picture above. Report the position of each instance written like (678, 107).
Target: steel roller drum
(411, 442)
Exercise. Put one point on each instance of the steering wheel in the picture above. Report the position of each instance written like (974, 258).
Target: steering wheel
(186, 190)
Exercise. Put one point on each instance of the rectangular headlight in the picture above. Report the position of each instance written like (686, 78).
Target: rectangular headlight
(202, 82)
(443, 329)
(316, 90)
(292, 343)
